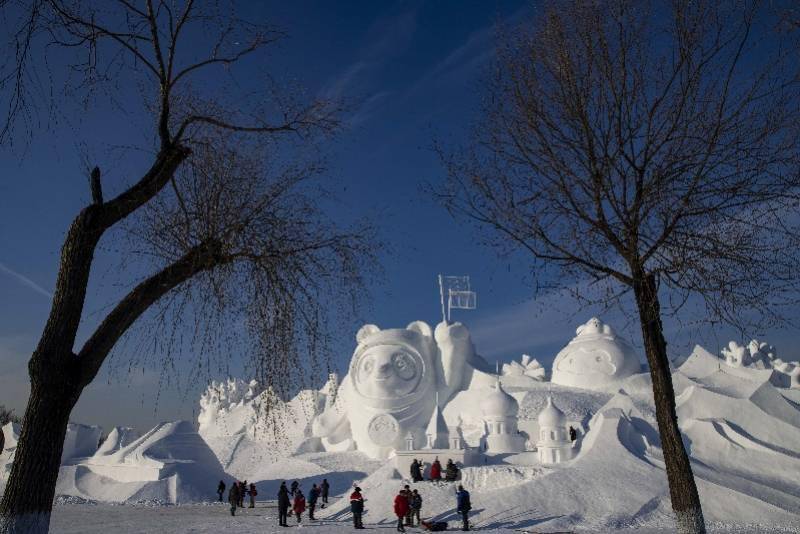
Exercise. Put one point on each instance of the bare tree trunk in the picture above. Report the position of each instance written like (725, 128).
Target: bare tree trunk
(682, 487)
(26, 507)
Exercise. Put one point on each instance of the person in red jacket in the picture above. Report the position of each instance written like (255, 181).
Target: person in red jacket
(436, 470)
(401, 509)
(299, 505)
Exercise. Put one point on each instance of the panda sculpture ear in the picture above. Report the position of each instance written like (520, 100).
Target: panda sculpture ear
(365, 331)
(421, 327)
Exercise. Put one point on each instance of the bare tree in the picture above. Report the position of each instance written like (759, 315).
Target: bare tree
(651, 147)
(227, 212)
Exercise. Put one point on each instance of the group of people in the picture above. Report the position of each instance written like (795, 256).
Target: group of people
(293, 498)
(407, 503)
(236, 494)
(407, 507)
(451, 472)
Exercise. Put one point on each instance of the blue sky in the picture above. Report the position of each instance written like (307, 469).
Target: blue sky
(415, 69)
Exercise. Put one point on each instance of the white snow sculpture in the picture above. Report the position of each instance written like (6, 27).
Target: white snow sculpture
(11, 435)
(390, 391)
(760, 355)
(500, 411)
(554, 445)
(119, 437)
(596, 358)
(527, 366)
(80, 441)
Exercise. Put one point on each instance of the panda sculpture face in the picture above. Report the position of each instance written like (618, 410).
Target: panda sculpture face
(387, 371)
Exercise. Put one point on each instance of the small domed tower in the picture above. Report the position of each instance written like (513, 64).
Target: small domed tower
(554, 444)
(500, 415)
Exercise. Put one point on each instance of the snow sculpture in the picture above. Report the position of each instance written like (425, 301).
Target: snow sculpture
(596, 358)
(397, 382)
(80, 441)
(760, 355)
(119, 437)
(527, 366)
(500, 416)
(554, 444)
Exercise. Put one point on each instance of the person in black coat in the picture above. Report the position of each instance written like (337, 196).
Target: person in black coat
(233, 497)
(324, 488)
(283, 505)
(416, 476)
(221, 490)
(573, 434)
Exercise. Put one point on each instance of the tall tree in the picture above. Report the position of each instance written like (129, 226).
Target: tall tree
(650, 146)
(225, 209)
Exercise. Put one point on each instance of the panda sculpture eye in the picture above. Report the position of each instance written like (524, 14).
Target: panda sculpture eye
(368, 365)
(403, 365)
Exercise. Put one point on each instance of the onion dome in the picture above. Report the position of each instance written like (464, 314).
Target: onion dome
(551, 416)
(498, 403)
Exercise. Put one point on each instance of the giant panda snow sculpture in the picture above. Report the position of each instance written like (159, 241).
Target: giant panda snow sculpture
(392, 386)
(596, 358)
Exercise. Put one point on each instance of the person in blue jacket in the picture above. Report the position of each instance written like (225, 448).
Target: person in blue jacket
(463, 506)
(313, 495)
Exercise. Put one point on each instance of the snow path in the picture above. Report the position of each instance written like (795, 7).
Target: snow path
(215, 518)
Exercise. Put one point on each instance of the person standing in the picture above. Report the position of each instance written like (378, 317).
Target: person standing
(415, 470)
(407, 493)
(324, 487)
(436, 470)
(233, 497)
(253, 494)
(463, 506)
(295, 486)
(299, 505)
(242, 493)
(313, 495)
(401, 509)
(573, 434)
(357, 507)
(283, 505)
(221, 490)
(416, 507)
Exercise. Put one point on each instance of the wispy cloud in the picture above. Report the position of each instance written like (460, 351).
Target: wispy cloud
(24, 280)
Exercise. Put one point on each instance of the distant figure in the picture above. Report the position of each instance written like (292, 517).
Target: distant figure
(295, 485)
(283, 505)
(401, 509)
(357, 507)
(233, 497)
(416, 476)
(313, 495)
(220, 490)
(253, 494)
(573, 434)
(242, 493)
(416, 507)
(463, 506)
(324, 487)
(436, 470)
(299, 505)
(407, 493)
(450, 471)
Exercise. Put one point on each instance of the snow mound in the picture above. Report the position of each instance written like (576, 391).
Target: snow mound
(171, 463)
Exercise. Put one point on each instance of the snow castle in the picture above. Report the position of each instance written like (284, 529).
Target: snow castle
(554, 445)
